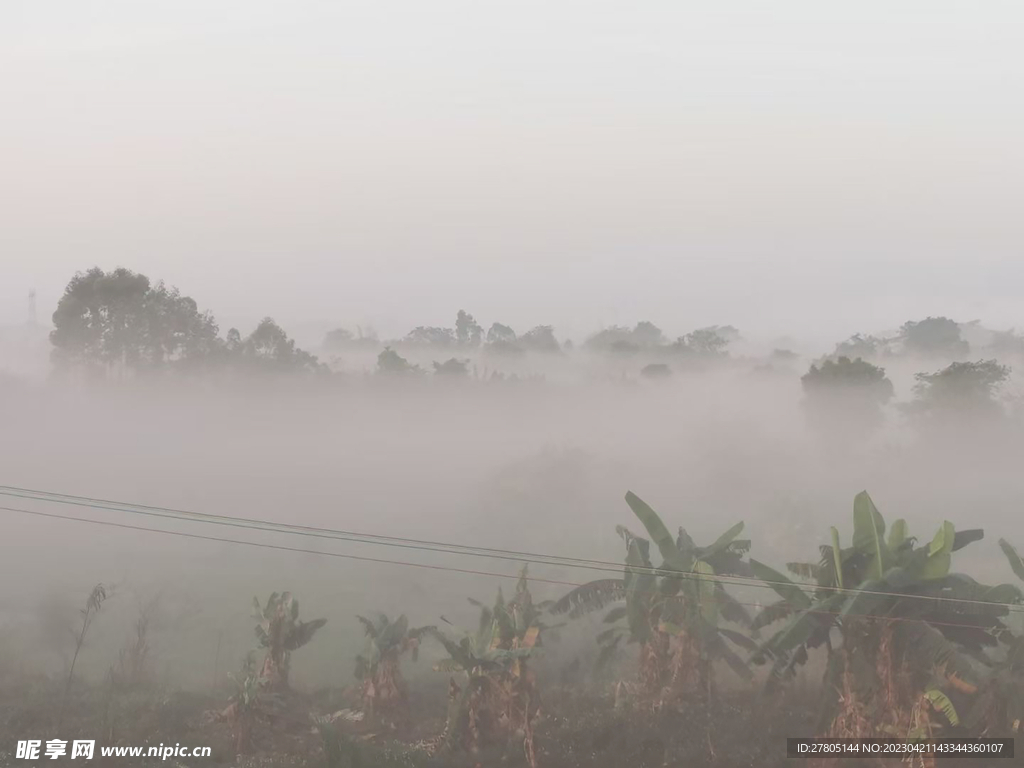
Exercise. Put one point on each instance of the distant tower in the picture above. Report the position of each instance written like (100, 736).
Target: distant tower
(32, 307)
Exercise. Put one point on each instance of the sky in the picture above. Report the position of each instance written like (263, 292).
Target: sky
(796, 167)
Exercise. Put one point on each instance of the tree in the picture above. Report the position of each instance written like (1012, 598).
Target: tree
(452, 367)
(498, 700)
(384, 691)
(934, 337)
(845, 394)
(672, 611)
(100, 318)
(430, 336)
(622, 340)
(960, 391)
(119, 321)
(647, 334)
(281, 633)
(269, 348)
(500, 333)
(540, 339)
(468, 332)
(390, 363)
(860, 346)
(707, 343)
(900, 630)
(501, 340)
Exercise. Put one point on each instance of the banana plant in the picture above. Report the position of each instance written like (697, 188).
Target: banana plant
(280, 632)
(251, 703)
(384, 691)
(902, 632)
(673, 612)
(498, 698)
(1000, 706)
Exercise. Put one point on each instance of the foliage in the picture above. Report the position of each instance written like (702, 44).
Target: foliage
(844, 392)
(860, 346)
(934, 337)
(620, 339)
(268, 348)
(540, 339)
(960, 390)
(281, 632)
(118, 322)
(378, 668)
(500, 333)
(93, 603)
(390, 363)
(999, 708)
(468, 332)
(706, 343)
(910, 630)
(452, 367)
(498, 698)
(253, 701)
(674, 612)
(430, 336)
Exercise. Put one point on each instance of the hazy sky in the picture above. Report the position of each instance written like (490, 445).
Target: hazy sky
(799, 166)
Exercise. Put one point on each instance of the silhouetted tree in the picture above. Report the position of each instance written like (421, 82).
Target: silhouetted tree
(934, 337)
(390, 363)
(960, 392)
(858, 345)
(452, 367)
(706, 343)
(498, 332)
(468, 332)
(845, 395)
(269, 348)
(120, 321)
(540, 339)
(430, 336)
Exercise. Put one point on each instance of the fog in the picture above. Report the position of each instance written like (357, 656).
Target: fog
(534, 465)
(758, 259)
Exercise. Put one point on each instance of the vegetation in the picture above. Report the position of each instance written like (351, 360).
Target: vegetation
(844, 393)
(493, 694)
(934, 337)
(281, 633)
(118, 323)
(673, 612)
(383, 689)
(93, 603)
(959, 392)
(904, 635)
(907, 647)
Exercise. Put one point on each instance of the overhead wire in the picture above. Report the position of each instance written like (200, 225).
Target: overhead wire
(450, 548)
(434, 567)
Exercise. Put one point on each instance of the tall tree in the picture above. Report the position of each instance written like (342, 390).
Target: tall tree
(845, 395)
(934, 337)
(118, 320)
(962, 392)
(269, 348)
(468, 332)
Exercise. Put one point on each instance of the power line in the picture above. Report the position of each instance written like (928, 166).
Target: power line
(454, 549)
(428, 566)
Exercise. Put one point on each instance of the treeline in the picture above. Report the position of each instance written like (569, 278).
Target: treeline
(120, 323)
